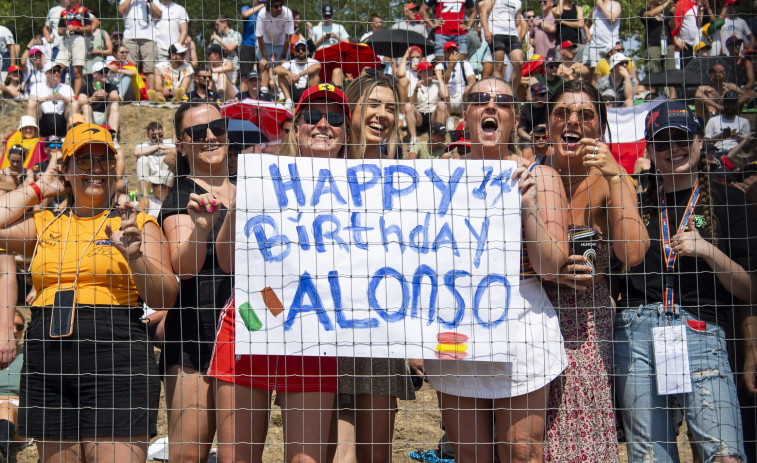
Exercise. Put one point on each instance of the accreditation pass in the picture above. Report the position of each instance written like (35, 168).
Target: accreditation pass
(671, 360)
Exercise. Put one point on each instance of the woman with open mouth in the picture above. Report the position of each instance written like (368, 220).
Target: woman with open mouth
(604, 219)
(93, 264)
(192, 215)
(305, 386)
(474, 395)
(696, 276)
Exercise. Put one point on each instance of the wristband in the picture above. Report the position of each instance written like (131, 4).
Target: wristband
(37, 191)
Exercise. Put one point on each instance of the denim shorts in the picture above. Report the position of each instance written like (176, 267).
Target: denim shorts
(441, 39)
(711, 409)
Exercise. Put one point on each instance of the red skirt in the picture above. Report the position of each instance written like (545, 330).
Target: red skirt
(286, 373)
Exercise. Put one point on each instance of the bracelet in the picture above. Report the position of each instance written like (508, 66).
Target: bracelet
(37, 191)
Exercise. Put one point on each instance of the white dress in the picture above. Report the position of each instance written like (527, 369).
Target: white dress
(537, 346)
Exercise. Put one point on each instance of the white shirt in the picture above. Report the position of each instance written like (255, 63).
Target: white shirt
(294, 66)
(167, 27)
(428, 97)
(274, 30)
(457, 80)
(320, 30)
(689, 31)
(604, 34)
(53, 17)
(6, 38)
(502, 17)
(32, 77)
(138, 21)
(170, 77)
(734, 27)
(717, 124)
(41, 90)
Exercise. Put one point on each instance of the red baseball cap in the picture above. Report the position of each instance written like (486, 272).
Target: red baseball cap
(731, 2)
(415, 48)
(425, 65)
(13, 68)
(411, 6)
(567, 44)
(324, 91)
(450, 44)
(460, 142)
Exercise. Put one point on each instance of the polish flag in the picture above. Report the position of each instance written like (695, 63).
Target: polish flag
(625, 132)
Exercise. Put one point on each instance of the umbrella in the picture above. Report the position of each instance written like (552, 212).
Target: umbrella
(244, 133)
(697, 72)
(672, 78)
(395, 42)
(351, 57)
(266, 115)
(533, 66)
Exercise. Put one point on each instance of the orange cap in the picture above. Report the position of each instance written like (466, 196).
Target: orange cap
(85, 134)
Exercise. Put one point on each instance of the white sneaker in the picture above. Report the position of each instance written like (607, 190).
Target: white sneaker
(451, 124)
(403, 121)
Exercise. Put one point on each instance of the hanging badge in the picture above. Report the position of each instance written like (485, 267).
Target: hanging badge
(671, 356)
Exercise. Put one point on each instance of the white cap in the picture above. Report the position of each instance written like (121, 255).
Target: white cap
(98, 66)
(27, 121)
(616, 59)
(179, 48)
(48, 66)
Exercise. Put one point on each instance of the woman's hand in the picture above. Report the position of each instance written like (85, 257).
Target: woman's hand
(598, 155)
(577, 273)
(527, 184)
(690, 243)
(128, 238)
(203, 210)
(52, 184)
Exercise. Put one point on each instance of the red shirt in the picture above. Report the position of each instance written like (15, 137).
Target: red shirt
(78, 16)
(453, 14)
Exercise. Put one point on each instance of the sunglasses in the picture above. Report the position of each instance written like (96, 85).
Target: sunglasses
(204, 77)
(313, 117)
(564, 113)
(539, 137)
(553, 65)
(56, 70)
(680, 139)
(530, 17)
(156, 136)
(85, 163)
(199, 132)
(301, 48)
(19, 326)
(55, 146)
(456, 135)
(502, 100)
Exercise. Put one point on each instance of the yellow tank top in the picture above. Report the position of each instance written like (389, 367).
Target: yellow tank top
(104, 275)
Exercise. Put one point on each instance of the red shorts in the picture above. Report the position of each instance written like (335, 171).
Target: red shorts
(272, 372)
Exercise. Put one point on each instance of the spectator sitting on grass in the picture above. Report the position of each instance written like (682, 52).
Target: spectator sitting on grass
(172, 78)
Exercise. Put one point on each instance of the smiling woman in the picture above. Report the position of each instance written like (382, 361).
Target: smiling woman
(88, 280)
(373, 98)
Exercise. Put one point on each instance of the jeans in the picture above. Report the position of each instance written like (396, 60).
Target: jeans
(440, 40)
(711, 409)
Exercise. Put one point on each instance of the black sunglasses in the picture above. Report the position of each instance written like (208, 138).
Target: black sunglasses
(313, 116)
(682, 140)
(20, 326)
(301, 48)
(199, 132)
(502, 100)
(56, 70)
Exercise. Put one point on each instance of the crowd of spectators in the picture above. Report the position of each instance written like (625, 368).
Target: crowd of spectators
(490, 80)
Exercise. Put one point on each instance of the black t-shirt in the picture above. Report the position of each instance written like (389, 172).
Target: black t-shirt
(211, 96)
(566, 32)
(89, 89)
(655, 27)
(260, 96)
(696, 287)
(531, 116)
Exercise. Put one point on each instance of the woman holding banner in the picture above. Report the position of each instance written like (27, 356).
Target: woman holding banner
(306, 386)
(473, 395)
(680, 300)
(581, 419)
(369, 387)
(192, 215)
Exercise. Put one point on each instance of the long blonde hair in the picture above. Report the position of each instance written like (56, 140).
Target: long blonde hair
(356, 93)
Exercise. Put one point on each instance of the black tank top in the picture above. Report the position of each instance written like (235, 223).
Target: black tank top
(565, 32)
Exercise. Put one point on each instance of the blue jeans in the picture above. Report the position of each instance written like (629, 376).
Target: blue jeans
(440, 40)
(711, 409)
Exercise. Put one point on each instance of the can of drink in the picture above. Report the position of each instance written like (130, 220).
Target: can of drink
(583, 242)
(98, 86)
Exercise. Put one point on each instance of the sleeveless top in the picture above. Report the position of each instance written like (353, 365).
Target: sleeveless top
(604, 34)
(565, 32)
(502, 17)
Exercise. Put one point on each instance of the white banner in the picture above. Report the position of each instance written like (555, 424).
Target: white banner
(372, 258)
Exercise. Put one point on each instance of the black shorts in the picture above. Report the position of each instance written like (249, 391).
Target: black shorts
(100, 382)
(506, 43)
(297, 93)
(425, 123)
(247, 60)
(52, 124)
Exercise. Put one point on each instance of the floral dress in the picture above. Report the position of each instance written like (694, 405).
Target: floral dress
(580, 415)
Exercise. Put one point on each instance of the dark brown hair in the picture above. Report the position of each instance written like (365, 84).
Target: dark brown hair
(182, 164)
(581, 86)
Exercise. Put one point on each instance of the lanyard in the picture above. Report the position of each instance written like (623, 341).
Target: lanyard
(670, 254)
